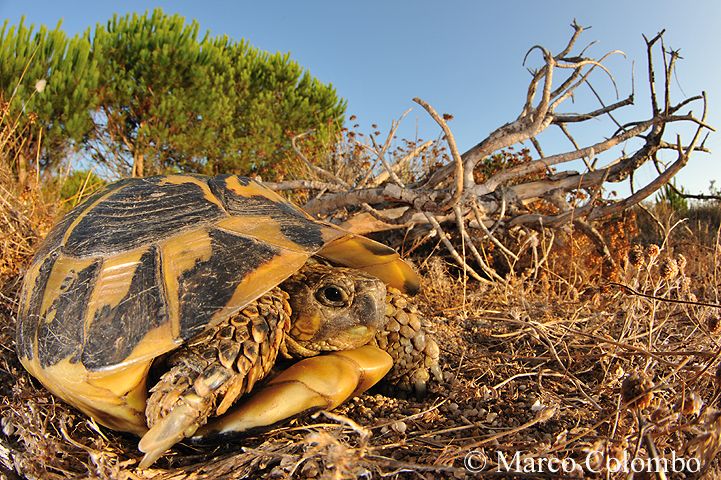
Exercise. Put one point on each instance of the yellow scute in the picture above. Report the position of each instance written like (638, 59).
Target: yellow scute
(179, 254)
(260, 280)
(64, 268)
(253, 189)
(108, 406)
(261, 228)
(113, 281)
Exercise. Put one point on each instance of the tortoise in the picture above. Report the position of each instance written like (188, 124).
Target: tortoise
(158, 302)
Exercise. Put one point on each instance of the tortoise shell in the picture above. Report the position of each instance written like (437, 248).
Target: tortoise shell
(145, 264)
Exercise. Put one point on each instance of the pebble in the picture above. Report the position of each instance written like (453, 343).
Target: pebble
(393, 325)
(414, 322)
(7, 427)
(432, 349)
(419, 341)
(399, 426)
(402, 318)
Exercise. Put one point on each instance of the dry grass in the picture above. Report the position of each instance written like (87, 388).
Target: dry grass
(554, 364)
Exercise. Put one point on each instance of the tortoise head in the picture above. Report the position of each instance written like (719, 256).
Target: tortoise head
(333, 308)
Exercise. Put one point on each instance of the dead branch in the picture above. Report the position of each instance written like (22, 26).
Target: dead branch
(452, 146)
(532, 192)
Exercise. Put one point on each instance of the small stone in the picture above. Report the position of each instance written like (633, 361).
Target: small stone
(419, 341)
(399, 427)
(432, 349)
(414, 322)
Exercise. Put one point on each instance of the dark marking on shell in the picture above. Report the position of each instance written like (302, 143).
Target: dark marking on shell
(411, 287)
(142, 212)
(115, 332)
(208, 286)
(293, 223)
(63, 336)
(54, 238)
(30, 319)
(378, 248)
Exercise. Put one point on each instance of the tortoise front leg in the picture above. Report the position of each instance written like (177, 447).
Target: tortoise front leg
(409, 342)
(211, 371)
(315, 383)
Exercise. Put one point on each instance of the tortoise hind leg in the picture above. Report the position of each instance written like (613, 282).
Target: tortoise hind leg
(211, 371)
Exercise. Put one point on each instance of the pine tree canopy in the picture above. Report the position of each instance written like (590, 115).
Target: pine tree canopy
(150, 94)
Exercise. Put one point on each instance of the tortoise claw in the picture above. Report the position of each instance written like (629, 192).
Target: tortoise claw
(180, 423)
(315, 383)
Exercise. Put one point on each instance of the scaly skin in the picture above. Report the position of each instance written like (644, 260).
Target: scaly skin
(406, 338)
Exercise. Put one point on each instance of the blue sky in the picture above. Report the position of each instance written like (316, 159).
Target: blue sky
(465, 58)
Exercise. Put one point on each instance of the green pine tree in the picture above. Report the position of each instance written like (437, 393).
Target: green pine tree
(175, 101)
(47, 82)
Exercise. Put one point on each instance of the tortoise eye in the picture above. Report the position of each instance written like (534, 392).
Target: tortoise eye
(332, 296)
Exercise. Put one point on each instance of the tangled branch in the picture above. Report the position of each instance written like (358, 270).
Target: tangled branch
(536, 193)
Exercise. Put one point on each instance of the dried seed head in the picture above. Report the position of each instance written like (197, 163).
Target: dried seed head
(635, 391)
(652, 251)
(718, 375)
(668, 269)
(681, 261)
(691, 404)
(636, 256)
